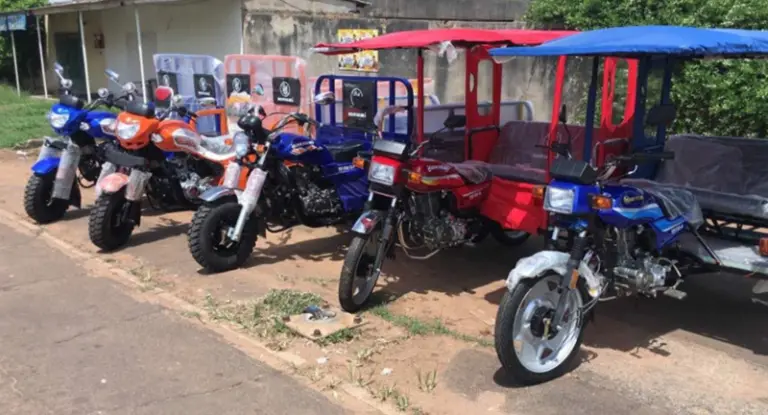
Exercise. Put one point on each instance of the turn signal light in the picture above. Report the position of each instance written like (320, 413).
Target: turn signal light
(260, 148)
(228, 142)
(538, 192)
(358, 162)
(414, 177)
(601, 202)
(764, 246)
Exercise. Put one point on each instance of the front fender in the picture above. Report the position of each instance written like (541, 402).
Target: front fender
(216, 193)
(113, 183)
(46, 165)
(368, 221)
(541, 262)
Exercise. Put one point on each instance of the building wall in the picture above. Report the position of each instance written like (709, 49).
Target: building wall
(272, 27)
(210, 27)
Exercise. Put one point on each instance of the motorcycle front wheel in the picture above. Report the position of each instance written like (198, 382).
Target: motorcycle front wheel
(208, 241)
(528, 348)
(38, 201)
(110, 225)
(358, 278)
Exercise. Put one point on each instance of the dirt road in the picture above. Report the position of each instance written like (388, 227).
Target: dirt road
(707, 354)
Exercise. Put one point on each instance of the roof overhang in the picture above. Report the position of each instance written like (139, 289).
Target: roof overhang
(88, 5)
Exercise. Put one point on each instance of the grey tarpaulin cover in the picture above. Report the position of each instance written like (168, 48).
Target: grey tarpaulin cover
(726, 174)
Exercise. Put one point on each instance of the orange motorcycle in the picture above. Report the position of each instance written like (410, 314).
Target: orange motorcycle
(162, 156)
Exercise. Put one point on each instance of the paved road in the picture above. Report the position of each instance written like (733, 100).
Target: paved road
(73, 344)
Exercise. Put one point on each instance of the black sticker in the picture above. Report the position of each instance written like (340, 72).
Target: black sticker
(238, 85)
(204, 86)
(286, 91)
(359, 103)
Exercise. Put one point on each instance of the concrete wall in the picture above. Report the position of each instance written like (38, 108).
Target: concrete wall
(272, 27)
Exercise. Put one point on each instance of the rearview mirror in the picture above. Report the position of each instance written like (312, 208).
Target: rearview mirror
(112, 75)
(455, 121)
(662, 114)
(177, 100)
(563, 116)
(258, 90)
(325, 98)
(58, 69)
(103, 93)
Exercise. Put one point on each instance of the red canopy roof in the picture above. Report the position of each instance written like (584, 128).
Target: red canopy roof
(420, 39)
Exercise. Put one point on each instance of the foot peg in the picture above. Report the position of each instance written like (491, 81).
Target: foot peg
(676, 294)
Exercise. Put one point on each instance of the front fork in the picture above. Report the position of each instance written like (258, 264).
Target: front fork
(385, 238)
(66, 172)
(248, 201)
(569, 282)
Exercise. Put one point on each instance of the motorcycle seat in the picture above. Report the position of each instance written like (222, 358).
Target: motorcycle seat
(346, 151)
(474, 172)
(519, 173)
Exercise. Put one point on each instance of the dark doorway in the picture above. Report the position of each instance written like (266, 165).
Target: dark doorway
(69, 54)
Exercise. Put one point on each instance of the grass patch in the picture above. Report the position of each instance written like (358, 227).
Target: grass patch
(419, 327)
(21, 118)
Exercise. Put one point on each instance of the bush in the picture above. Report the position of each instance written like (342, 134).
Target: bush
(726, 97)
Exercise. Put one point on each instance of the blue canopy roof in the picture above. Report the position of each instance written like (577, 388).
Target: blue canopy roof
(650, 40)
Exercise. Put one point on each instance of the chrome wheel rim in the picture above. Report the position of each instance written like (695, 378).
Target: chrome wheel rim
(537, 353)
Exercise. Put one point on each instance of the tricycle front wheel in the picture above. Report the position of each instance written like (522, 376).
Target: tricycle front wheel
(358, 278)
(528, 347)
(208, 241)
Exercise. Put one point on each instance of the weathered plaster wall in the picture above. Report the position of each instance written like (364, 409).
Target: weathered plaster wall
(292, 27)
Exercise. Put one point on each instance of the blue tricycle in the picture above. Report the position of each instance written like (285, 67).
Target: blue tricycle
(53, 187)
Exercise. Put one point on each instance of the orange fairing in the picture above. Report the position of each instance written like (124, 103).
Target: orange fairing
(146, 126)
(166, 141)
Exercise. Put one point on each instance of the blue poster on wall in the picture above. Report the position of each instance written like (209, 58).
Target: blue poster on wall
(13, 22)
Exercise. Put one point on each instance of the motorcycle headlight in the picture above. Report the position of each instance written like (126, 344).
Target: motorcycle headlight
(108, 126)
(126, 131)
(58, 120)
(242, 144)
(381, 173)
(559, 200)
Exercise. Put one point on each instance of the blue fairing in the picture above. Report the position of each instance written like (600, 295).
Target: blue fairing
(351, 183)
(630, 207)
(79, 116)
(46, 166)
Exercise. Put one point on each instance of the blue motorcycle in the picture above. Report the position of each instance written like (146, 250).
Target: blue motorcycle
(292, 180)
(52, 188)
(622, 238)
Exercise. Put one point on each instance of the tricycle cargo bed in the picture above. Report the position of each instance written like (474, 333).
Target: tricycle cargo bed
(728, 175)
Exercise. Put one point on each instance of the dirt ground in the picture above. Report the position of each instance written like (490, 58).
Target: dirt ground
(706, 354)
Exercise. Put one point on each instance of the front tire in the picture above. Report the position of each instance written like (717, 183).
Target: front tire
(110, 225)
(39, 203)
(521, 347)
(357, 279)
(208, 242)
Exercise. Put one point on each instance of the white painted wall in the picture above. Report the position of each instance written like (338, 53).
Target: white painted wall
(209, 27)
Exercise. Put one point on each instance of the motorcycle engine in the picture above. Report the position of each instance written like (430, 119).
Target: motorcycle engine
(434, 223)
(636, 266)
(190, 180)
(318, 199)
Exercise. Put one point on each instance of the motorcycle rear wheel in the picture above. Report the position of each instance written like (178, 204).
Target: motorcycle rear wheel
(38, 201)
(509, 237)
(109, 226)
(207, 239)
(355, 289)
(519, 332)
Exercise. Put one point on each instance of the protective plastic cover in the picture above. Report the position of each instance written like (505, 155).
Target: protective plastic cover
(676, 201)
(726, 174)
(65, 174)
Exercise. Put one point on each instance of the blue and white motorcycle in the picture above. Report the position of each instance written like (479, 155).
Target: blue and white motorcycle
(623, 239)
(54, 185)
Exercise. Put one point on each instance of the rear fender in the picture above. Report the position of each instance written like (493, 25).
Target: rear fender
(113, 183)
(45, 166)
(368, 221)
(537, 264)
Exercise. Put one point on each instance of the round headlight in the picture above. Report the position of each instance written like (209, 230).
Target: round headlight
(242, 143)
(58, 120)
(126, 131)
